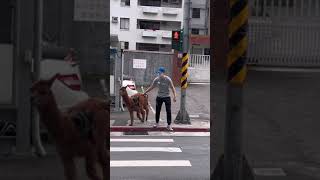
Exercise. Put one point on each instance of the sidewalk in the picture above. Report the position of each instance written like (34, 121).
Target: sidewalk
(197, 106)
(120, 123)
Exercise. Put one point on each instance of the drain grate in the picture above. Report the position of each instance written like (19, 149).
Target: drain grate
(136, 133)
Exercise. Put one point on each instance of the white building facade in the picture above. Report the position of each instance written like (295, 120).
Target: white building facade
(146, 24)
(199, 27)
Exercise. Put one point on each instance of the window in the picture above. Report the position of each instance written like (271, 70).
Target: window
(195, 12)
(150, 3)
(124, 45)
(207, 51)
(149, 25)
(124, 23)
(194, 31)
(148, 47)
(125, 2)
(196, 50)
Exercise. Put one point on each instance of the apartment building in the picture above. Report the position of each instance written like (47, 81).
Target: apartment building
(199, 27)
(145, 24)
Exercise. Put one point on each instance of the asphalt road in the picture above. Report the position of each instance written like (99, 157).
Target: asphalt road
(281, 122)
(128, 164)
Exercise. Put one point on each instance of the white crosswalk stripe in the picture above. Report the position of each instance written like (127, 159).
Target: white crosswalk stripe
(144, 146)
(150, 163)
(159, 133)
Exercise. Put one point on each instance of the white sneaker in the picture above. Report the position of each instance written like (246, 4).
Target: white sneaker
(169, 128)
(155, 125)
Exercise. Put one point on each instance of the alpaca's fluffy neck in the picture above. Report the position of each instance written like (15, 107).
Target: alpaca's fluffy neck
(126, 100)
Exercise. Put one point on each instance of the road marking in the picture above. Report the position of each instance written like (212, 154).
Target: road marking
(269, 172)
(145, 149)
(179, 134)
(116, 134)
(141, 140)
(151, 163)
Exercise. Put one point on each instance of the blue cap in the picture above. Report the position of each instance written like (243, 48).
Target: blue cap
(161, 70)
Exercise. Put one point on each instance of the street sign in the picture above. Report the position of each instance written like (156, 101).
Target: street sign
(176, 40)
(139, 63)
(91, 10)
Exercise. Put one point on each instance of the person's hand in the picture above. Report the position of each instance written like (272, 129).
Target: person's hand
(174, 99)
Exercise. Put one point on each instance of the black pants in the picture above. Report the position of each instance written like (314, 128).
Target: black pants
(167, 102)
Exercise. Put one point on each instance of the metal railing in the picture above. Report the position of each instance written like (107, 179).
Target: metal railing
(292, 8)
(199, 61)
(284, 33)
(284, 43)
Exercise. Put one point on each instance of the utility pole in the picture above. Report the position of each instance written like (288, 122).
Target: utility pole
(183, 116)
(233, 164)
(36, 140)
(121, 77)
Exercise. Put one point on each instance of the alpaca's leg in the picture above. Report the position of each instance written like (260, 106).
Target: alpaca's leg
(139, 116)
(103, 155)
(103, 159)
(69, 168)
(91, 166)
(131, 118)
(143, 114)
(147, 113)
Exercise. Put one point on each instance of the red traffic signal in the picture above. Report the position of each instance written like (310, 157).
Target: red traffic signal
(176, 35)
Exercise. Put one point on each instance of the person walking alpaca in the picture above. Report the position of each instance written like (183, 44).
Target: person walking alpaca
(164, 83)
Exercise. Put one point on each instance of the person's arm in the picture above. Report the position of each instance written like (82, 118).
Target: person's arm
(151, 87)
(173, 91)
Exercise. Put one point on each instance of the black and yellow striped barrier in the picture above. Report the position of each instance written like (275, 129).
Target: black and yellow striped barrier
(238, 41)
(184, 70)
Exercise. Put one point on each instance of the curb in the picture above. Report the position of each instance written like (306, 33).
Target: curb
(140, 129)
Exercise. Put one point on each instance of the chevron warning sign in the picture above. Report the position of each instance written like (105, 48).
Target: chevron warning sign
(184, 70)
(238, 41)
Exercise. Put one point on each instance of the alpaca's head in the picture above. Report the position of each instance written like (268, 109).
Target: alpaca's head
(123, 91)
(41, 94)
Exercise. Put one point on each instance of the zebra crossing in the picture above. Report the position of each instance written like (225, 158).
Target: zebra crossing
(145, 152)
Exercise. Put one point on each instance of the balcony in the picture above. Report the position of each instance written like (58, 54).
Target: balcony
(150, 10)
(170, 11)
(149, 33)
(159, 3)
(166, 34)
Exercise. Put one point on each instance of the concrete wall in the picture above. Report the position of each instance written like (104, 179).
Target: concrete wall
(154, 61)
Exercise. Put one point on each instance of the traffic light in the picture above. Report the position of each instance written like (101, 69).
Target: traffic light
(176, 35)
(176, 40)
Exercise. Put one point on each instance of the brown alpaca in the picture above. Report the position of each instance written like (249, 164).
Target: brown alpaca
(73, 139)
(137, 102)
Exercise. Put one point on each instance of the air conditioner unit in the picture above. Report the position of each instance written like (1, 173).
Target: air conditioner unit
(115, 19)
